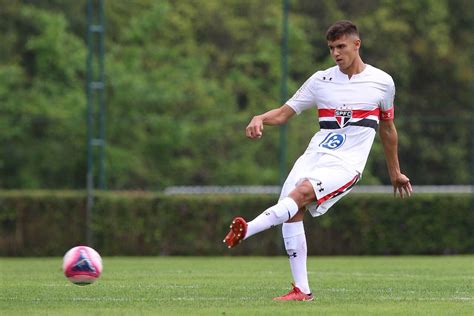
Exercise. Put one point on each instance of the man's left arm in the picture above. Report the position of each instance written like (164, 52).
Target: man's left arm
(389, 137)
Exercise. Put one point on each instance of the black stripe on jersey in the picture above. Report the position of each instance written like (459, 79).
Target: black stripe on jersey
(334, 125)
(366, 123)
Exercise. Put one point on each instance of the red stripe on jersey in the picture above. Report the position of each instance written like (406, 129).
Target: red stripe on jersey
(326, 112)
(387, 115)
(355, 113)
(364, 114)
(338, 191)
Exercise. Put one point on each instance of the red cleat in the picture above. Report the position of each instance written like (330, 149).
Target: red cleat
(295, 295)
(237, 232)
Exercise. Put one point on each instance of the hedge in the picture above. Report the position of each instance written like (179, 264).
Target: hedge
(47, 223)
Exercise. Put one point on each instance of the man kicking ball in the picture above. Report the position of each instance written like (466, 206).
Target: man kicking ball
(353, 100)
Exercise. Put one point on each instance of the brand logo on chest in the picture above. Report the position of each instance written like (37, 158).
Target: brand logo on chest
(343, 115)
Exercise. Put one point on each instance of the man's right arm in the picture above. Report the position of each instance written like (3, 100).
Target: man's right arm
(277, 116)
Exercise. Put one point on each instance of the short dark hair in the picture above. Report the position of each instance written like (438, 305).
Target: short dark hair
(341, 28)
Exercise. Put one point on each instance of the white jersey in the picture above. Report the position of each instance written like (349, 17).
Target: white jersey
(349, 111)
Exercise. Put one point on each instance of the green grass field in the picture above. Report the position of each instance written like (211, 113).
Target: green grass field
(241, 286)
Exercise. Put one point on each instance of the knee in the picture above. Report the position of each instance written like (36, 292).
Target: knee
(303, 194)
(299, 216)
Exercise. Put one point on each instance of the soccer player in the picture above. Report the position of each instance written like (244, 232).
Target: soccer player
(353, 100)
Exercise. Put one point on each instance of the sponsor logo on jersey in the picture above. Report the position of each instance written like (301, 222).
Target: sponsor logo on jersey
(333, 141)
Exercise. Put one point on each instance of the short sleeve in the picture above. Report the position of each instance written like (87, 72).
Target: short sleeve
(305, 97)
(386, 106)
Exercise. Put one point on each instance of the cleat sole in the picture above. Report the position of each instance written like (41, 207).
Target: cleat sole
(238, 229)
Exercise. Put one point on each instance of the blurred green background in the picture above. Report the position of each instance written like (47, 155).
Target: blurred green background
(183, 78)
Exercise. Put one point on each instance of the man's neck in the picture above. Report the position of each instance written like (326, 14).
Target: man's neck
(356, 68)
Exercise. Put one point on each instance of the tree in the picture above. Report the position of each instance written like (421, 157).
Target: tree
(183, 78)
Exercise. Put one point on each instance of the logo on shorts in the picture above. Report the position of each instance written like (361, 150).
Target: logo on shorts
(333, 141)
(320, 185)
(343, 115)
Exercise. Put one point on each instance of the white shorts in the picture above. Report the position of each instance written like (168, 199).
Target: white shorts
(330, 178)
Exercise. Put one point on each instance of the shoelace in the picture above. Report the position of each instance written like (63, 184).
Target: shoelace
(293, 291)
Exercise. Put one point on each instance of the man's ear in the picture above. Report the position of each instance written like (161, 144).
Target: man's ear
(357, 43)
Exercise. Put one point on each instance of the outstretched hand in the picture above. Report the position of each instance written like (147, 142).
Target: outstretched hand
(402, 185)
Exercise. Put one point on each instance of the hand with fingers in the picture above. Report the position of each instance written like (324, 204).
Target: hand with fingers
(255, 128)
(402, 186)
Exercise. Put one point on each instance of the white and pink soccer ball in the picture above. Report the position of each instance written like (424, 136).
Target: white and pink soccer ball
(82, 265)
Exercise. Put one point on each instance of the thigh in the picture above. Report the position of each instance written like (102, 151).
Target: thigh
(329, 177)
(299, 172)
(330, 184)
(303, 194)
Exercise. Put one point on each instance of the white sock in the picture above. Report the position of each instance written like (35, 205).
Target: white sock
(273, 216)
(295, 245)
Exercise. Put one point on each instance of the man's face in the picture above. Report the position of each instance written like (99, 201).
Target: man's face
(344, 50)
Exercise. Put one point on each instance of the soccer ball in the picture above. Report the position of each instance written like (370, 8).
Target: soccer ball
(82, 265)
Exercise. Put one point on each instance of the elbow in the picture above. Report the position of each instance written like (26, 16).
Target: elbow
(389, 139)
(386, 134)
(282, 120)
(387, 130)
(284, 115)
